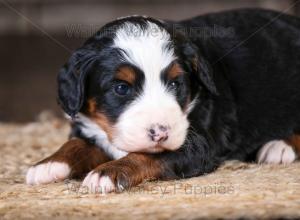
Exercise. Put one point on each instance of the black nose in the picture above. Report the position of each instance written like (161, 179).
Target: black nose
(158, 133)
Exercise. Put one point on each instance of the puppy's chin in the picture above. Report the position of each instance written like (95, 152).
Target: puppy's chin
(153, 150)
(137, 148)
(141, 148)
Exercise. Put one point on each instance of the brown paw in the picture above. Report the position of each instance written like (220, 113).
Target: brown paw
(106, 179)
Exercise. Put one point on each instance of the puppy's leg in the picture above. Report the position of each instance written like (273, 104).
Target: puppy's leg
(276, 152)
(73, 160)
(123, 173)
(135, 168)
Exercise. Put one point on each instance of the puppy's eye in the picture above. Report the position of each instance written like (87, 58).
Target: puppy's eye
(174, 85)
(122, 89)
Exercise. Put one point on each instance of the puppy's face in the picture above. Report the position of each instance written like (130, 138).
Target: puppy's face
(135, 86)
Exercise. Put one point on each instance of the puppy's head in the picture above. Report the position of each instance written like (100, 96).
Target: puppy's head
(138, 80)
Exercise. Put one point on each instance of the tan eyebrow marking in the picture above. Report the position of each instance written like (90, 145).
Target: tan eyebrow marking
(174, 71)
(127, 74)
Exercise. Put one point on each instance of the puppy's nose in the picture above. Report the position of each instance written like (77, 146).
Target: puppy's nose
(158, 133)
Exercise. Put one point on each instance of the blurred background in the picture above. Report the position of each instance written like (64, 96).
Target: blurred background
(37, 37)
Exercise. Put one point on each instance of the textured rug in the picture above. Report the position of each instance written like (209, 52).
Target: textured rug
(236, 190)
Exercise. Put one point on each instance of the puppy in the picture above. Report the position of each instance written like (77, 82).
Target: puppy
(152, 99)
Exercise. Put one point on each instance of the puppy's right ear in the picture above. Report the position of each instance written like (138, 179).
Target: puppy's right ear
(71, 82)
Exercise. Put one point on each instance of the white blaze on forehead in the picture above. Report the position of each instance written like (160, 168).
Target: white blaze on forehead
(147, 48)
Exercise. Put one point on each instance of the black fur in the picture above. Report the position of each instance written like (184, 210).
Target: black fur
(247, 81)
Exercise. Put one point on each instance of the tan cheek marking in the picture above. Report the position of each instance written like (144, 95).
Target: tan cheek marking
(99, 118)
(295, 142)
(92, 106)
(126, 74)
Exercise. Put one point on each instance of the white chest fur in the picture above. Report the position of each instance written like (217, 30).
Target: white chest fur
(91, 130)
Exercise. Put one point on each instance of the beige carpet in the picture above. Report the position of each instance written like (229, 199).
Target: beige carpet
(236, 190)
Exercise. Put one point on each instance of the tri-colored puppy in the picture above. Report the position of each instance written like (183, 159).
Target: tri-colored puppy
(152, 99)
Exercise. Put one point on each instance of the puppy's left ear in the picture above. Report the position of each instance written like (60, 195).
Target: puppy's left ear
(199, 67)
(205, 73)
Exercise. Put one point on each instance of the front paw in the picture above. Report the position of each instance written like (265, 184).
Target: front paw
(47, 172)
(106, 179)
